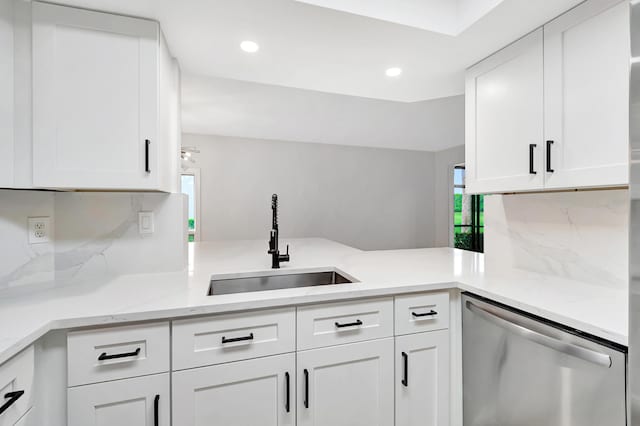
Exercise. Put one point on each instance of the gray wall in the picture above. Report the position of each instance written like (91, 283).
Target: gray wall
(368, 198)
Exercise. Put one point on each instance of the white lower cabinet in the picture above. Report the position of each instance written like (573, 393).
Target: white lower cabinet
(422, 379)
(256, 392)
(380, 381)
(346, 385)
(143, 401)
(28, 419)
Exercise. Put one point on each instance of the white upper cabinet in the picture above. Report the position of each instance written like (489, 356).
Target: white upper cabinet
(504, 119)
(97, 83)
(550, 111)
(6, 89)
(586, 66)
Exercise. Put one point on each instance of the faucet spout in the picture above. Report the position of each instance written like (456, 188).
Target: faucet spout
(274, 251)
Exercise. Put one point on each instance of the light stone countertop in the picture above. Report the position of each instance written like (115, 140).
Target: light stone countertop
(596, 309)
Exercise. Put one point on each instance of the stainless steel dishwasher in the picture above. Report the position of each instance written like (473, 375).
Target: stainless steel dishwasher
(525, 371)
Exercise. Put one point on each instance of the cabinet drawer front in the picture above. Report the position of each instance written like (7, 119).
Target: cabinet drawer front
(344, 322)
(422, 312)
(16, 376)
(143, 401)
(117, 352)
(214, 340)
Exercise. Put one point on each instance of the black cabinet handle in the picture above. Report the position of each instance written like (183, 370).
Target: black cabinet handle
(104, 355)
(532, 147)
(237, 339)
(147, 167)
(156, 405)
(306, 388)
(426, 314)
(405, 359)
(288, 396)
(13, 397)
(349, 324)
(549, 169)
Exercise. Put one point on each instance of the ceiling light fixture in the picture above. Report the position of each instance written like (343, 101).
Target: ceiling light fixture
(393, 72)
(249, 46)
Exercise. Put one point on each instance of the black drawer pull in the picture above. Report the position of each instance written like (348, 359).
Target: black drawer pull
(147, 167)
(13, 397)
(405, 359)
(156, 405)
(532, 146)
(426, 314)
(104, 355)
(549, 169)
(237, 339)
(306, 388)
(349, 324)
(288, 385)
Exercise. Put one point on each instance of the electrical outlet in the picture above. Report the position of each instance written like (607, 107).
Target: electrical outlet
(39, 230)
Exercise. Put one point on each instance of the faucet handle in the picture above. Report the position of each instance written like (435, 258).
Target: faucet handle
(287, 249)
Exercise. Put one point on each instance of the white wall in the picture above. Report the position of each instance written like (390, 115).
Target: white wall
(218, 106)
(368, 198)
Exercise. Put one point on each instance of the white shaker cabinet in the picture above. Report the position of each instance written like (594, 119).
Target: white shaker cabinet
(422, 379)
(586, 69)
(6, 100)
(28, 419)
(551, 111)
(97, 83)
(142, 401)
(346, 385)
(504, 119)
(255, 392)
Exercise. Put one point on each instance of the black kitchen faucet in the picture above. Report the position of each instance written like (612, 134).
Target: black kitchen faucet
(276, 257)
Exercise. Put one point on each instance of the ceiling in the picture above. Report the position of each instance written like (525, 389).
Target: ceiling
(252, 110)
(449, 17)
(322, 49)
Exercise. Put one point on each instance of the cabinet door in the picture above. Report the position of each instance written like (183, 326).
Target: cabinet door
(422, 379)
(504, 119)
(6, 100)
(346, 385)
(28, 419)
(257, 392)
(95, 99)
(143, 401)
(586, 61)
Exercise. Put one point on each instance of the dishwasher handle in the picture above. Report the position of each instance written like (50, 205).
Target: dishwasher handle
(585, 354)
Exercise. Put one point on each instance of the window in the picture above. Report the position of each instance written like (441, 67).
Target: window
(468, 215)
(190, 186)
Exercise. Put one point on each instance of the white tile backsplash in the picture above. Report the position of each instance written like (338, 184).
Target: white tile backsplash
(94, 235)
(20, 262)
(576, 235)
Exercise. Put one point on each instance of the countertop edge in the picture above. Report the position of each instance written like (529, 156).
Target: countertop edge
(31, 337)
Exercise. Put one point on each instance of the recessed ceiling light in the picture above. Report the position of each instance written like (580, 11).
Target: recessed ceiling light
(393, 72)
(249, 46)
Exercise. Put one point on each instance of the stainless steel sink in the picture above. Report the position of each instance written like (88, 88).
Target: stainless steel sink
(276, 282)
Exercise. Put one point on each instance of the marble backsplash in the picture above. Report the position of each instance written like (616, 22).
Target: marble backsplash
(94, 235)
(576, 235)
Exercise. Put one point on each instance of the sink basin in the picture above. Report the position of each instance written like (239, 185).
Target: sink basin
(276, 282)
